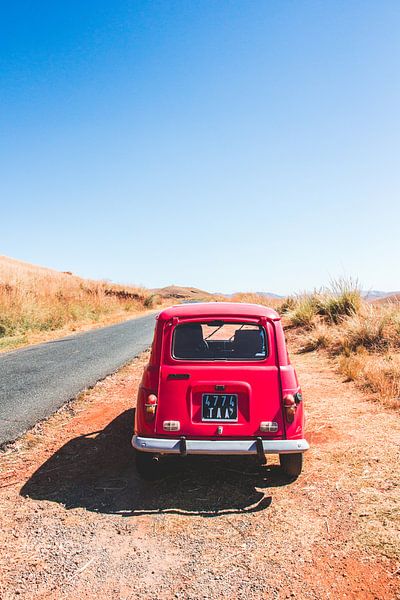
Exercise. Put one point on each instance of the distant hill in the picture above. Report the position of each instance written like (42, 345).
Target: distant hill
(392, 297)
(263, 294)
(180, 293)
(269, 295)
(375, 295)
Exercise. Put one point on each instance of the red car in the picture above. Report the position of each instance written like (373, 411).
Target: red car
(219, 381)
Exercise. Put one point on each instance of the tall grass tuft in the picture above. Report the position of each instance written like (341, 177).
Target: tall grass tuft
(287, 305)
(304, 311)
(341, 299)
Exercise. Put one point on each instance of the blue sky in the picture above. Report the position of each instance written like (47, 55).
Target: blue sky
(230, 145)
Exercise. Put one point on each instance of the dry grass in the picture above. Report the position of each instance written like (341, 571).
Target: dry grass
(341, 299)
(373, 328)
(364, 337)
(253, 298)
(36, 299)
(317, 336)
(381, 373)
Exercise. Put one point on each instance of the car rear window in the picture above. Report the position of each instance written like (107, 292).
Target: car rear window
(219, 340)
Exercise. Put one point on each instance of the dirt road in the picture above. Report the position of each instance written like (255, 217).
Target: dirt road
(76, 522)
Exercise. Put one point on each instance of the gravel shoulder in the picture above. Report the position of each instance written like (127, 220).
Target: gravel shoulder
(77, 522)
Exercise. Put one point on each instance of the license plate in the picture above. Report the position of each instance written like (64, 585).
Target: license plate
(219, 407)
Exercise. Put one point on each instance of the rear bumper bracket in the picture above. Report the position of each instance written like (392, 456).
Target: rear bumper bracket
(182, 446)
(260, 451)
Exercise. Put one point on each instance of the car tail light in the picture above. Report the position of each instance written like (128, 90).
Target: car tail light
(269, 426)
(150, 407)
(290, 407)
(171, 425)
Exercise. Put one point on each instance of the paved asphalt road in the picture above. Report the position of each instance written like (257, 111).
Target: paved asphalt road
(36, 381)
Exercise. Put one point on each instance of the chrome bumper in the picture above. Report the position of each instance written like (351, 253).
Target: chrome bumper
(172, 446)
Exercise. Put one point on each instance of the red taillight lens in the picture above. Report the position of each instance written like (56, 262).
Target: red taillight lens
(290, 407)
(150, 407)
(151, 400)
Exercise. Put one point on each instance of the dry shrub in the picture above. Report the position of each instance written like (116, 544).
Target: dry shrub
(151, 300)
(37, 299)
(287, 305)
(319, 336)
(369, 345)
(365, 337)
(375, 328)
(340, 300)
(380, 373)
(304, 312)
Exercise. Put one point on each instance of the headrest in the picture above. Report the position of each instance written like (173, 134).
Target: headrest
(248, 342)
(188, 337)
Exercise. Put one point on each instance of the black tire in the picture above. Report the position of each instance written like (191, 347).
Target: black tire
(148, 465)
(291, 464)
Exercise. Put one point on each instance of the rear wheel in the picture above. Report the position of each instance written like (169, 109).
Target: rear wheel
(148, 465)
(291, 464)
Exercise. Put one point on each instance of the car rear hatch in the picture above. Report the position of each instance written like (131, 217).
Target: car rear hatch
(223, 389)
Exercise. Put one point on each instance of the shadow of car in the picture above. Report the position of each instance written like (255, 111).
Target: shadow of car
(97, 472)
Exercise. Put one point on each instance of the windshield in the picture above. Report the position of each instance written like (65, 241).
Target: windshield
(219, 340)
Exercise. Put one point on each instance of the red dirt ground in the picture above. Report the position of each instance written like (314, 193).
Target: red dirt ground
(77, 522)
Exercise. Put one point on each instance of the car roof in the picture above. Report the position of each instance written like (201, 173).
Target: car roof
(218, 309)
